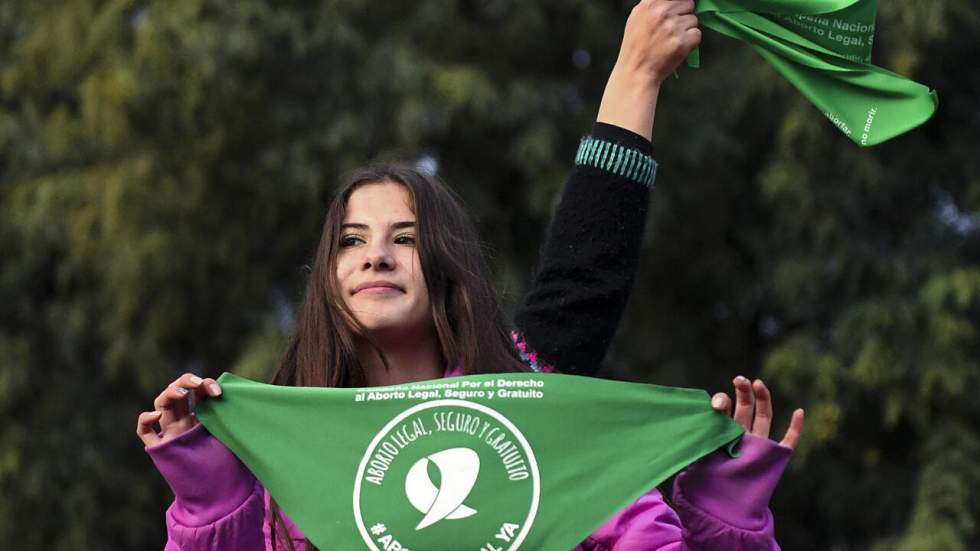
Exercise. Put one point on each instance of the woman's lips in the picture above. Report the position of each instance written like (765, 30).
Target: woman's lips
(377, 287)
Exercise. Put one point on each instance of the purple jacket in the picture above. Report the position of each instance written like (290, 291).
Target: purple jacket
(719, 503)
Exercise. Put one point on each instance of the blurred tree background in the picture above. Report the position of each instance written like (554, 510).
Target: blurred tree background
(164, 168)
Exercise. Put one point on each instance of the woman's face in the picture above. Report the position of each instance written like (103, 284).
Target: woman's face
(379, 275)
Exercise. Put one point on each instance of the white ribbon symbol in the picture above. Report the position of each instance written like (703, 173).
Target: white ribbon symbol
(458, 468)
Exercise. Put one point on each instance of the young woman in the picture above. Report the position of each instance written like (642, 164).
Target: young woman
(399, 293)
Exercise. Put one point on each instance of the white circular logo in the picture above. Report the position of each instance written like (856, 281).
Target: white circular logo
(446, 471)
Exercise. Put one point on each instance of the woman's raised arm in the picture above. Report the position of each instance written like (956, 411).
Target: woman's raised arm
(592, 247)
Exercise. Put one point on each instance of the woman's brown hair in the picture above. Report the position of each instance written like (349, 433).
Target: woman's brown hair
(472, 330)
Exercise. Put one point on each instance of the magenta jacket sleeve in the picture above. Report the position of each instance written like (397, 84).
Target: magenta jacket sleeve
(722, 504)
(218, 504)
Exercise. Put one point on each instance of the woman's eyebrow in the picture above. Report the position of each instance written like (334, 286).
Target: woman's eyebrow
(395, 226)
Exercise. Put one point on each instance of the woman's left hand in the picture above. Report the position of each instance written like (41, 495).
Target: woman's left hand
(753, 410)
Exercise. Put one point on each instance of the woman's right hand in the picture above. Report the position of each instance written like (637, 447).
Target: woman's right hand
(172, 409)
(659, 34)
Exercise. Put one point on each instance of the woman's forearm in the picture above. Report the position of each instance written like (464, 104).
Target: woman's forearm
(629, 101)
(658, 36)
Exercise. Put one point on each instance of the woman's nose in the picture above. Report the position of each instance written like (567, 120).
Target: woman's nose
(377, 256)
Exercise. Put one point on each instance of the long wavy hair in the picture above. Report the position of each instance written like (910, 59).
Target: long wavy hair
(472, 330)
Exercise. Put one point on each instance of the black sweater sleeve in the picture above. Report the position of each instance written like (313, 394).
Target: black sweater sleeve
(590, 255)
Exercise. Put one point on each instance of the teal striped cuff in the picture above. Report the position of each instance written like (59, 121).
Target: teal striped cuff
(621, 161)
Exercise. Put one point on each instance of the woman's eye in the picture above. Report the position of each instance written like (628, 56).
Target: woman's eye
(350, 241)
(406, 239)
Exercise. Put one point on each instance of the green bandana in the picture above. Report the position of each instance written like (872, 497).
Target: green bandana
(489, 462)
(823, 47)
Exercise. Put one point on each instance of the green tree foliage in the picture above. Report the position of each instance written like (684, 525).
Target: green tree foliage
(163, 171)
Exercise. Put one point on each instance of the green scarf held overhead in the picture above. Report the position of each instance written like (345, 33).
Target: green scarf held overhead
(823, 47)
(489, 462)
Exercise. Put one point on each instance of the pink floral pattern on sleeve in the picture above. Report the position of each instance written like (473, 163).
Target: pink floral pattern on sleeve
(529, 356)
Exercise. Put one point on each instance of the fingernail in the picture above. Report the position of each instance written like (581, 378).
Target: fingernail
(182, 391)
(215, 389)
(716, 402)
(156, 413)
(196, 380)
(741, 379)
